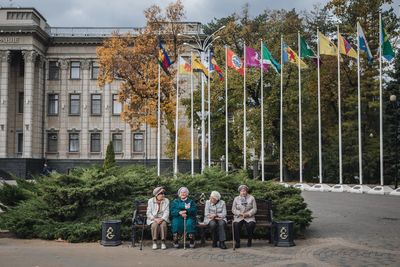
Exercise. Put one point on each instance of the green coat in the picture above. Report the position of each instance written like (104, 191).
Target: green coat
(177, 220)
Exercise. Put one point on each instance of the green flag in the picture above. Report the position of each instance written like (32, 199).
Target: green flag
(268, 59)
(305, 49)
(387, 50)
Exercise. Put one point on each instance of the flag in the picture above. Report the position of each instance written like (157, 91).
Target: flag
(253, 59)
(363, 42)
(305, 49)
(234, 62)
(345, 47)
(214, 66)
(184, 66)
(163, 58)
(268, 59)
(326, 47)
(387, 50)
(290, 56)
(197, 65)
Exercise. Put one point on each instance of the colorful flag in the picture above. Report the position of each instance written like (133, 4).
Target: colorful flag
(214, 66)
(387, 50)
(305, 49)
(326, 47)
(163, 58)
(363, 42)
(234, 62)
(268, 59)
(198, 66)
(253, 59)
(345, 47)
(290, 56)
(184, 66)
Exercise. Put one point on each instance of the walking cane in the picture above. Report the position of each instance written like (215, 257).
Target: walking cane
(233, 237)
(141, 240)
(184, 232)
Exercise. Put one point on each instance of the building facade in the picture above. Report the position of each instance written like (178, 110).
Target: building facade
(50, 106)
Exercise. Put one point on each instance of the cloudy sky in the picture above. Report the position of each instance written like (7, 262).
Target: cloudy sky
(129, 13)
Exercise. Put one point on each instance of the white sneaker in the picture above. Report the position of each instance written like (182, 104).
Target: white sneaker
(163, 246)
(154, 245)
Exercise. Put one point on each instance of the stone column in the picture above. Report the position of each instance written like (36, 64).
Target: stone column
(63, 110)
(38, 107)
(5, 59)
(29, 85)
(85, 66)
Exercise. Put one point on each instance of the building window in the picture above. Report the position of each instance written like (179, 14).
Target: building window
(54, 70)
(138, 142)
(95, 104)
(116, 105)
(74, 104)
(75, 69)
(95, 70)
(74, 142)
(95, 142)
(52, 108)
(117, 142)
(21, 102)
(52, 142)
(20, 142)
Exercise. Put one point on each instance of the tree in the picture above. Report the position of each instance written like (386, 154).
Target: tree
(109, 161)
(132, 59)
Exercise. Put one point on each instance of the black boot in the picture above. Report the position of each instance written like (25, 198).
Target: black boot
(222, 245)
(176, 240)
(249, 242)
(214, 244)
(191, 240)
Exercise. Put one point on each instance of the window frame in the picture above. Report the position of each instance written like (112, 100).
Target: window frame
(92, 140)
(95, 66)
(48, 150)
(70, 105)
(116, 103)
(50, 101)
(114, 140)
(54, 70)
(100, 100)
(70, 142)
(76, 67)
(21, 102)
(134, 139)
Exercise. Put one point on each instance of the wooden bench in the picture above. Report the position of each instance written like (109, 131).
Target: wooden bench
(264, 218)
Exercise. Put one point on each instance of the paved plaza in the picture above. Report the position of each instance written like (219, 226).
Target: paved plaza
(348, 230)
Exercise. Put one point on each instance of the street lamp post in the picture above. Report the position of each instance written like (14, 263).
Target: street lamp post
(396, 108)
(203, 47)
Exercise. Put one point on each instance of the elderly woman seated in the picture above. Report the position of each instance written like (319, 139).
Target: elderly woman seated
(244, 208)
(215, 217)
(158, 216)
(183, 213)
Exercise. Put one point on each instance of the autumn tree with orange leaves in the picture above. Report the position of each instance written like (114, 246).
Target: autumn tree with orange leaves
(132, 59)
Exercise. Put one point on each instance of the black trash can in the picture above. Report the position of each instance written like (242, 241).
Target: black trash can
(283, 234)
(111, 233)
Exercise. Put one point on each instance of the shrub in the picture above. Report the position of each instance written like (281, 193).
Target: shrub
(109, 161)
(72, 206)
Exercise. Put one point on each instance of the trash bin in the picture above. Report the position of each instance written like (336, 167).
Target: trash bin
(111, 233)
(283, 234)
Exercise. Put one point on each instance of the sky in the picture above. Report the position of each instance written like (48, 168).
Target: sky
(129, 13)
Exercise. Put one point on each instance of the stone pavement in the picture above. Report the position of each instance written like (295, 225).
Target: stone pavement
(348, 230)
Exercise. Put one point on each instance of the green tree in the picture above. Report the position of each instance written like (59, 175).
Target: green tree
(109, 161)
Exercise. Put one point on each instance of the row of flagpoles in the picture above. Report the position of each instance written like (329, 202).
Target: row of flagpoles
(264, 61)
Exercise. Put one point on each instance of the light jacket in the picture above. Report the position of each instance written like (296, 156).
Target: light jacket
(153, 211)
(244, 205)
(218, 209)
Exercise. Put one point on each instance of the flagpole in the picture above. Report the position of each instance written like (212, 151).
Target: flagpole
(339, 109)
(244, 111)
(319, 112)
(281, 120)
(209, 109)
(359, 108)
(203, 125)
(158, 121)
(191, 116)
(300, 115)
(380, 100)
(262, 111)
(226, 110)
(176, 120)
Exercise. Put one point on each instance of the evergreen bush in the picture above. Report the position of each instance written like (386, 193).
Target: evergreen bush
(72, 206)
(109, 161)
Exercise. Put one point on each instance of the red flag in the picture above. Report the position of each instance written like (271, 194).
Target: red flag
(235, 62)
